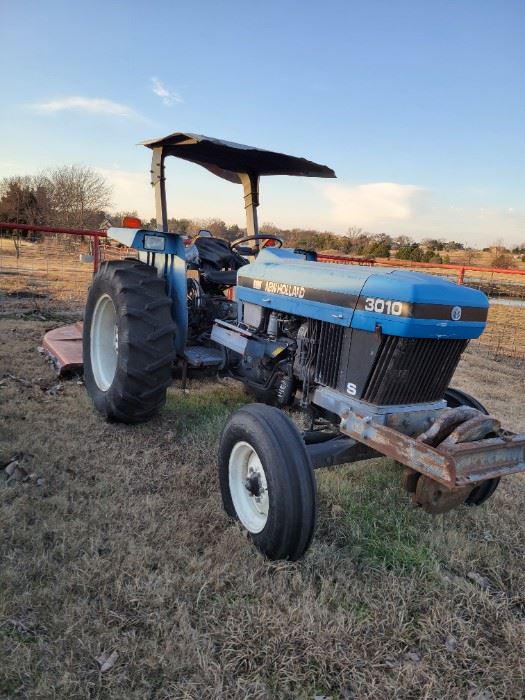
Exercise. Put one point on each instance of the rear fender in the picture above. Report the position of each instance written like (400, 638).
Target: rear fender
(170, 263)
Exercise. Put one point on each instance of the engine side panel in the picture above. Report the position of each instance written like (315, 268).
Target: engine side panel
(297, 305)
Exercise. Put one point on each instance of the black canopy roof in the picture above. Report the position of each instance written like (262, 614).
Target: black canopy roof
(226, 159)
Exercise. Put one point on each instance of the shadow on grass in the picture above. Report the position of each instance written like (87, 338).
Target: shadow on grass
(373, 516)
(205, 408)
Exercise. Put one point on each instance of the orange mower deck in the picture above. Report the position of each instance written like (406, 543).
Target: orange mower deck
(64, 346)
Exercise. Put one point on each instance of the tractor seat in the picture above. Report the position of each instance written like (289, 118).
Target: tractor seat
(217, 254)
(225, 278)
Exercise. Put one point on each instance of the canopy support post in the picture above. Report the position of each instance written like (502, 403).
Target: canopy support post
(250, 184)
(158, 181)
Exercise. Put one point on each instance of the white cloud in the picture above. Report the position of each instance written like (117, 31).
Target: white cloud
(417, 212)
(89, 105)
(191, 192)
(131, 190)
(168, 96)
(374, 203)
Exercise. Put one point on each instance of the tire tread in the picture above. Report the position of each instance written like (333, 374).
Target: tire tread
(146, 350)
(293, 505)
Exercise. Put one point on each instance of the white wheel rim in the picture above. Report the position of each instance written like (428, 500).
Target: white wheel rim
(104, 342)
(248, 487)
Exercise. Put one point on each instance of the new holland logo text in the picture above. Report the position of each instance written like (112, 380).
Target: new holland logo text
(288, 290)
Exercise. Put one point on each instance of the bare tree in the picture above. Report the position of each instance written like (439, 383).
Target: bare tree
(469, 256)
(77, 194)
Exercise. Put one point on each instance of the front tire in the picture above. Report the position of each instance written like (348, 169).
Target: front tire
(267, 481)
(485, 489)
(456, 398)
(128, 341)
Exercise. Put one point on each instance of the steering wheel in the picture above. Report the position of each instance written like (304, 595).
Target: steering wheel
(258, 237)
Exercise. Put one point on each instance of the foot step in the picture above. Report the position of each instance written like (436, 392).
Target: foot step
(203, 357)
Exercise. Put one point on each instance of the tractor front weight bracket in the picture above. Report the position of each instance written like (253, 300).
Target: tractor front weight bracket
(454, 466)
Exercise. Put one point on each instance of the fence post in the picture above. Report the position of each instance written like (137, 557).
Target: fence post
(96, 253)
(461, 276)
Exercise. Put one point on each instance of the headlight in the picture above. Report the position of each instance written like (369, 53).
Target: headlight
(156, 243)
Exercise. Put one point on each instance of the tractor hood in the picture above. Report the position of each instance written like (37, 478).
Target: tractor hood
(399, 301)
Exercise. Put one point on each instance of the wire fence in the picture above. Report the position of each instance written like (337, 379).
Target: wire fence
(504, 336)
(48, 274)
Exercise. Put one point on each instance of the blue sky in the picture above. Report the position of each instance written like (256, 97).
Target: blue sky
(418, 106)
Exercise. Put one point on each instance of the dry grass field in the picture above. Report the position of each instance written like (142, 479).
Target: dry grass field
(118, 543)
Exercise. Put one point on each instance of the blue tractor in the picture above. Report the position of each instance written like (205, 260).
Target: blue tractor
(367, 353)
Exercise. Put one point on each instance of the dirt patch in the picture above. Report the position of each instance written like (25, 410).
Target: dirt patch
(118, 543)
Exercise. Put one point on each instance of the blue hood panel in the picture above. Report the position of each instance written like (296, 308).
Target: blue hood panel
(401, 302)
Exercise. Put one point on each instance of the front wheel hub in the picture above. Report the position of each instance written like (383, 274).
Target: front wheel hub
(253, 485)
(248, 487)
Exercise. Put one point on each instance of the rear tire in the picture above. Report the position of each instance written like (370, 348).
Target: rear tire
(128, 341)
(267, 481)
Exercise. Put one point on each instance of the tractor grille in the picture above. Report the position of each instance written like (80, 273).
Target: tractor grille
(329, 341)
(412, 370)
